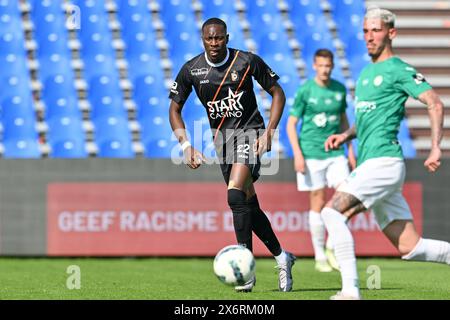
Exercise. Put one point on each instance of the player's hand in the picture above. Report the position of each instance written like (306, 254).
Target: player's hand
(334, 141)
(193, 158)
(299, 164)
(263, 144)
(433, 161)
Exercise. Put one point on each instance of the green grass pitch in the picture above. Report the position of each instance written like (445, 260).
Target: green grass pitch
(191, 278)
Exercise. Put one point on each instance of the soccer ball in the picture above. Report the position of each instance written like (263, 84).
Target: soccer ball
(234, 265)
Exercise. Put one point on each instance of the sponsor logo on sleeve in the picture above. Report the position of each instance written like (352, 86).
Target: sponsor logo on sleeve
(174, 87)
(419, 78)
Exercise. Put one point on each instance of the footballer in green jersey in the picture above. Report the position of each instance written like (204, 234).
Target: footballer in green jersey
(320, 103)
(381, 92)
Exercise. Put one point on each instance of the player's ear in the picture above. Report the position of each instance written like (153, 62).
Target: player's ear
(392, 33)
(228, 38)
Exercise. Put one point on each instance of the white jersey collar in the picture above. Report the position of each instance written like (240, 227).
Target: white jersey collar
(216, 65)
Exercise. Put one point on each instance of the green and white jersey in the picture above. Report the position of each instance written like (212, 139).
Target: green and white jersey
(381, 92)
(320, 108)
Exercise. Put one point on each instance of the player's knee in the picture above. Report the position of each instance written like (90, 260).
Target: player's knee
(239, 206)
(236, 198)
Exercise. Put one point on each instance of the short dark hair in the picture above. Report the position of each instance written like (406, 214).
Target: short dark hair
(324, 53)
(214, 21)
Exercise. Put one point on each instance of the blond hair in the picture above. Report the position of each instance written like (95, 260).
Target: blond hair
(384, 15)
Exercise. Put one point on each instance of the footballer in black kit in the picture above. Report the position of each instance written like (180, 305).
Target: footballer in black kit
(226, 91)
(222, 80)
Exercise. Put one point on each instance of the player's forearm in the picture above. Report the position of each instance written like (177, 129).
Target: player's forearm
(293, 136)
(177, 123)
(350, 134)
(277, 107)
(436, 114)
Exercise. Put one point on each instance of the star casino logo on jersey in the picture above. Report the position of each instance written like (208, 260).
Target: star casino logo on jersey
(229, 107)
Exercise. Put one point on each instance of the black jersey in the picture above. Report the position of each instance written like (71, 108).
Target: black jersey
(226, 89)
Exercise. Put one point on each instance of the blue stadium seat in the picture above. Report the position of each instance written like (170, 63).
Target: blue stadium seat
(258, 8)
(147, 87)
(152, 107)
(17, 85)
(55, 42)
(21, 148)
(136, 23)
(126, 8)
(143, 42)
(116, 148)
(267, 23)
(162, 148)
(18, 119)
(155, 127)
(12, 43)
(8, 7)
(97, 43)
(64, 128)
(274, 42)
(217, 7)
(302, 8)
(143, 65)
(89, 7)
(68, 148)
(111, 127)
(64, 106)
(53, 65)
(16, 106)
(172, 10)
(46, 15)
(100, 65)
(104, 86)
(57, 87)
(13, 65)
(348, 15)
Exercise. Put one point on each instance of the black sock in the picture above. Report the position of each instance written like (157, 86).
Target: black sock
(242, 217)
(262, 227)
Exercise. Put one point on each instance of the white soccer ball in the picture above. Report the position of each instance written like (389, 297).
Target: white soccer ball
(234, 265)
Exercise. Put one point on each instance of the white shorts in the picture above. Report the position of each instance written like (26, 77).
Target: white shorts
(321, 173)
(378, 183)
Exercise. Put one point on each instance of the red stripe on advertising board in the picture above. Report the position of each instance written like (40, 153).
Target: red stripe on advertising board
(184, 219)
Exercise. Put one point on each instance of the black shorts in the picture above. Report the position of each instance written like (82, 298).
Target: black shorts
(239, 149)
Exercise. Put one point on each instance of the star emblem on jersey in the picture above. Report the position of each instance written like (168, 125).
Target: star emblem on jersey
(378, 81)
(234, 75)
(338, 97)
(228, 107)
(365, 82)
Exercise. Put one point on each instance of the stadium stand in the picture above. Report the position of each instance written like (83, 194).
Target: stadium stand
(87, 78)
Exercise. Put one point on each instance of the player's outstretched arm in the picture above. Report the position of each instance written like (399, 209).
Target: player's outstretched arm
(193, 157)
(264, 143)
(299, 160)
(436, 115)
(336, 140)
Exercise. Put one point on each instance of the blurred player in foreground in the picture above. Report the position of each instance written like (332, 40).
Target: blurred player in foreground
(222, 79)
(320, 103)
(381, 92)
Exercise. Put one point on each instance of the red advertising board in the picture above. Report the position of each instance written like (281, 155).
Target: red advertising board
(184, 219)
